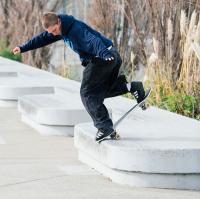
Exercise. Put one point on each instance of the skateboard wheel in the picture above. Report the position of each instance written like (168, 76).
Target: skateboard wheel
(112, 136)
(115, 136)
(144, 107)
(147, 105)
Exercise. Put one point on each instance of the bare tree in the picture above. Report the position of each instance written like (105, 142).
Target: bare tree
(132, 25)
(126, 23)
(21, 20)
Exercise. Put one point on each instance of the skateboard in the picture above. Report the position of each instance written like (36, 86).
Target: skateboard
(116, 136)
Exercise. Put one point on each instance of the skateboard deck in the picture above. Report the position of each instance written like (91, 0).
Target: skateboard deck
(116, 136)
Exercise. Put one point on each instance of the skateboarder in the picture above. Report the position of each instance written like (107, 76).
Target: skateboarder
(101, 60)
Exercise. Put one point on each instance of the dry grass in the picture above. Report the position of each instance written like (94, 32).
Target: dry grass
(185, 81)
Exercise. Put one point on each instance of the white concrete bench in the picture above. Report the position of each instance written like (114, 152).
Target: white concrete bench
(13, 87)
(9, 66)
(8, 74)
(157, 149)
(53, 114)
(18, 79)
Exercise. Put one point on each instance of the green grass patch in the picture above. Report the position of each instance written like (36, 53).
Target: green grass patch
(7, 54)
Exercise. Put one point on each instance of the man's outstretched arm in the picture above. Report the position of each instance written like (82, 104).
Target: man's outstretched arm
(41, 40)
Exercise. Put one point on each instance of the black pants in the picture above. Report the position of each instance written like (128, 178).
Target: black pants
(101, 80)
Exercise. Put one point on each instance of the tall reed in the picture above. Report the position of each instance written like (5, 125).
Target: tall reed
(178, 88)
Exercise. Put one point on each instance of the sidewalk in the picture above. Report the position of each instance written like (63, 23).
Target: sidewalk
(33, 166)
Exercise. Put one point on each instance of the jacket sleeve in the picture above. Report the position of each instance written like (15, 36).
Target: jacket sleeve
(39, 41)
(92, 44)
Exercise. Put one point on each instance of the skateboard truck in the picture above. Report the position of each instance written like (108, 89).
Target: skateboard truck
(115, 136)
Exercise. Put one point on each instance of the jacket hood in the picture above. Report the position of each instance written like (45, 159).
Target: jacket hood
(66, 23)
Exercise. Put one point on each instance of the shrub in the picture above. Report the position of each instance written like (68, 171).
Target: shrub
(7, 54)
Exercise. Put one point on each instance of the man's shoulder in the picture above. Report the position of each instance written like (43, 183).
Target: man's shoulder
(66, 18)
(66, 21)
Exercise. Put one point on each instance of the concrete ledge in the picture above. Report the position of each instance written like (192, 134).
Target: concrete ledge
(2, 141)
(27, 74)
(8, 74)
(168, 160)
(13, 87)
(53, 110)
(35, 75)
(54, 113)
(147, 154)
(17, 79)
(14, 69)
(8, 103)
(49, 129)
(62, 108)
(140, 179)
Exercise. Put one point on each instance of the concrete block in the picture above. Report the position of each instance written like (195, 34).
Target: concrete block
(137, 152)
(8, 103)
(51, 109)
(49, 130)
(141, 179)
(13, 87)
(8, 74)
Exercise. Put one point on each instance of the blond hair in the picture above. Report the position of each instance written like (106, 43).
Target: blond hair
(49, 19)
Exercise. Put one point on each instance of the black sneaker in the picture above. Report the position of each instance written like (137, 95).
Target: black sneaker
(101, 135)
(137, 90)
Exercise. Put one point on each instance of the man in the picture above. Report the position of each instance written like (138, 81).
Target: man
(101, 60)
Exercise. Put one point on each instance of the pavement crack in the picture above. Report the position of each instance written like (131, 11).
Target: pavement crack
(30, 181)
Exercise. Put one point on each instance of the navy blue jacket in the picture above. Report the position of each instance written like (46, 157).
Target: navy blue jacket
(84, 40)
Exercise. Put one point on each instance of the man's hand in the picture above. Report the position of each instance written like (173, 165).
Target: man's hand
(108, 59)
(16, 50)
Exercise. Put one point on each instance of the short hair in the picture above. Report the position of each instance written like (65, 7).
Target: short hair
(49, 19)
